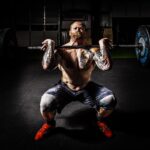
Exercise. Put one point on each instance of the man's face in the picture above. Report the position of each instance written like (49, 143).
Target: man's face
(77, 31)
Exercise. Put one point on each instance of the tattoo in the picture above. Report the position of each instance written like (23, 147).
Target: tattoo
(102, 59)
(84, 58)
(49, 58)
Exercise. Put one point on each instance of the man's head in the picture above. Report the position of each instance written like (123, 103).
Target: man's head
(77, 30)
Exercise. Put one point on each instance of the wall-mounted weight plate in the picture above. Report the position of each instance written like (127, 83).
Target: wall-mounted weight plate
(143, 38)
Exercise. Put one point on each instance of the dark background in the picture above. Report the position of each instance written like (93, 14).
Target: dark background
(27, 18)
(22, 80)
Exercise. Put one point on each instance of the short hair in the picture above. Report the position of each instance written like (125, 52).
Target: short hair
(83, 24)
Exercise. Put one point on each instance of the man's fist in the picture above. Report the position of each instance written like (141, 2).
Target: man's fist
(105, 43)
(48, 43)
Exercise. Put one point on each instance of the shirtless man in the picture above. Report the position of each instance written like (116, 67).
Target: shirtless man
(76, 66)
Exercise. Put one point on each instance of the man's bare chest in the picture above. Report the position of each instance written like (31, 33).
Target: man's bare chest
(76, 58)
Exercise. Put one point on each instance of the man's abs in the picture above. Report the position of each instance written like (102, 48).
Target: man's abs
(76, 79)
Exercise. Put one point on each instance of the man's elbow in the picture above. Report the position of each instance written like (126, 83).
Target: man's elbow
(44, 66)
(107, 67)
(109, 64)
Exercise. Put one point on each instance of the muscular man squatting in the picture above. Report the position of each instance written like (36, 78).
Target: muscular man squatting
(76, 66)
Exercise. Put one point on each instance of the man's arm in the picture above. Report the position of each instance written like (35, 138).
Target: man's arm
(102, 56)
(49, 60)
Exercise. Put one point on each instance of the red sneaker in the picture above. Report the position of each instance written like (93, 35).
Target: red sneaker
(104, 128)
(42, 131)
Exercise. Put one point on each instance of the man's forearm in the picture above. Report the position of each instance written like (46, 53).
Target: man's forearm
(50, 59)
(102, 59)
(47, 57)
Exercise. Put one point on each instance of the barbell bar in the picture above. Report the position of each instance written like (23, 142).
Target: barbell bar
(140, 46)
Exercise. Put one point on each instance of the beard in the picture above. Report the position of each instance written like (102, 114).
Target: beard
(77, 36)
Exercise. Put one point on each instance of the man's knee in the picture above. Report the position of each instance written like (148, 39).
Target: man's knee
(109, 102)
(48, 103)
(107, 105)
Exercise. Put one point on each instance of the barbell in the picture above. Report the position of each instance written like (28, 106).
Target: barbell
(87, 47)
(142, 45)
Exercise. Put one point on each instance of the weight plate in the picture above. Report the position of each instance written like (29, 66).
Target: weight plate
(142, 37)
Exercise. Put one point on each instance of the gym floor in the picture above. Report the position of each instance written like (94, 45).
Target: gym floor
(22, 85)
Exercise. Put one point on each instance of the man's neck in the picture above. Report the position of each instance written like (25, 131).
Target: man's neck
(78, 42)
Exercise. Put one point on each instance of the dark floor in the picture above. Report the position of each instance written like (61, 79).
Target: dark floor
(22, 85)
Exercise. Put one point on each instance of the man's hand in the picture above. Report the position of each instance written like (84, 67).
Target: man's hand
(48, 44)
(105, 43)
(102, 55)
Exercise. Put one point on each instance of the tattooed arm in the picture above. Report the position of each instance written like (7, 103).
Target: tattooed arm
(102, 56)
(49, 60)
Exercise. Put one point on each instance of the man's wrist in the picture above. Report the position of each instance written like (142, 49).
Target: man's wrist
(94, 49)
